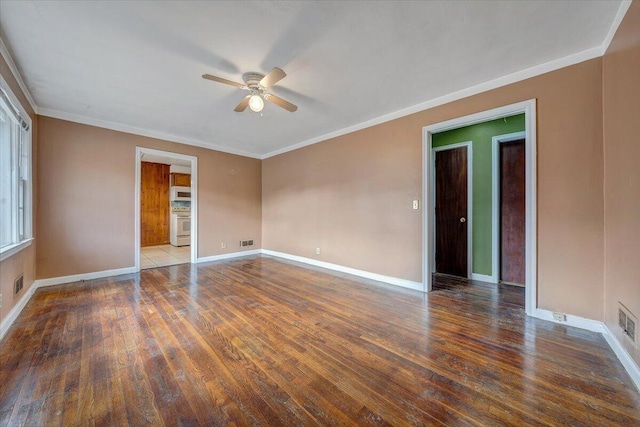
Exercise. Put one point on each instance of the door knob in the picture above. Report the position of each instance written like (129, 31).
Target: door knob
(463, 219)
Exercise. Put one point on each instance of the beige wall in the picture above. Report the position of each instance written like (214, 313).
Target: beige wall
(87, 198)
(351, 195)
(622, 173)
(23, 262)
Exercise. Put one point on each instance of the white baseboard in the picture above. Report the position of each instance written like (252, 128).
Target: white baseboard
(483, 278)
(373, 276)
(575, 321)
(624, 357)
(16, 310)
(85, 276)
(229, 255)
(627, 361)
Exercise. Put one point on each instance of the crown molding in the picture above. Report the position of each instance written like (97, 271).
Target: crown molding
(622, 11)
(4, 51)
(505, 80)
(55, 114)
(537, 70)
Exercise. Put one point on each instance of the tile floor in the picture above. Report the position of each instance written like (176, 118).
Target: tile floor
(160, 256)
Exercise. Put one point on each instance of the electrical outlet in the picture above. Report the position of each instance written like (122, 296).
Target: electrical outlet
(416, 204)
(317, 251)
(224, 245)
(559, 317)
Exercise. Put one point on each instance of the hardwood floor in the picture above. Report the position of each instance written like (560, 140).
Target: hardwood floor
(260, 341)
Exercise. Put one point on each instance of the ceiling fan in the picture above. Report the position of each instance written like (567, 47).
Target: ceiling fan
(257, 84)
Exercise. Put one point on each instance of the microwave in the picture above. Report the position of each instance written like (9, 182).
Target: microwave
(180, 194)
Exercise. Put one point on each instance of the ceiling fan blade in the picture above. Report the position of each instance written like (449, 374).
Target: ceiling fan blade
(272, 77)
(243, 104)
(225, 81)
(281, 102)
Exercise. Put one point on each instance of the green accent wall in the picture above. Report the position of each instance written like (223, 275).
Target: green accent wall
(480, 135)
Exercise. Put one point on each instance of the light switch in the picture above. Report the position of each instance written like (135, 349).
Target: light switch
(416, 204)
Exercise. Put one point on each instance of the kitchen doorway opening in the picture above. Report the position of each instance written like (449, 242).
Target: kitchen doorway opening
(528, 109)
(165, 208)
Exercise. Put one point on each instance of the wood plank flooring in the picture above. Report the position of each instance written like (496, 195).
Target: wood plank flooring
(260, 341)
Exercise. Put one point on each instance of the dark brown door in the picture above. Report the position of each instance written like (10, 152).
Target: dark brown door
(512, 212)
(451, 211)
(154, 204)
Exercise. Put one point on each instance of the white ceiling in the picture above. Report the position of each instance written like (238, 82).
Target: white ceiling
(136, 65)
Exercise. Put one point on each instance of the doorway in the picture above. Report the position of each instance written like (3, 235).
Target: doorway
(528, 108)
(509, 208)
(452, 166)
(156, 207)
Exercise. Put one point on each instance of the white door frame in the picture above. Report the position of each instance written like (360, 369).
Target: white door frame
(495, 198)
(529, 110)
(432, 203)
(194, 198)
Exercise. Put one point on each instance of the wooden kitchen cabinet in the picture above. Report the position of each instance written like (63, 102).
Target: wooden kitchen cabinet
(181, 179)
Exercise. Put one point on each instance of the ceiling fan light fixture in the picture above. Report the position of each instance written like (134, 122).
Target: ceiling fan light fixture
(256, 84)
(256, 103)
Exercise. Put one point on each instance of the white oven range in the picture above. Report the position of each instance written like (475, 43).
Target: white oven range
(180, 226)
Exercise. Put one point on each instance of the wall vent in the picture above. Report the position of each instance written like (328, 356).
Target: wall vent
(17, 285)
(622, 319)
(627, 323)
(246, 243)
(631, 329)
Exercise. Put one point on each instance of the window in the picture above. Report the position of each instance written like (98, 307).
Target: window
(15, 174)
